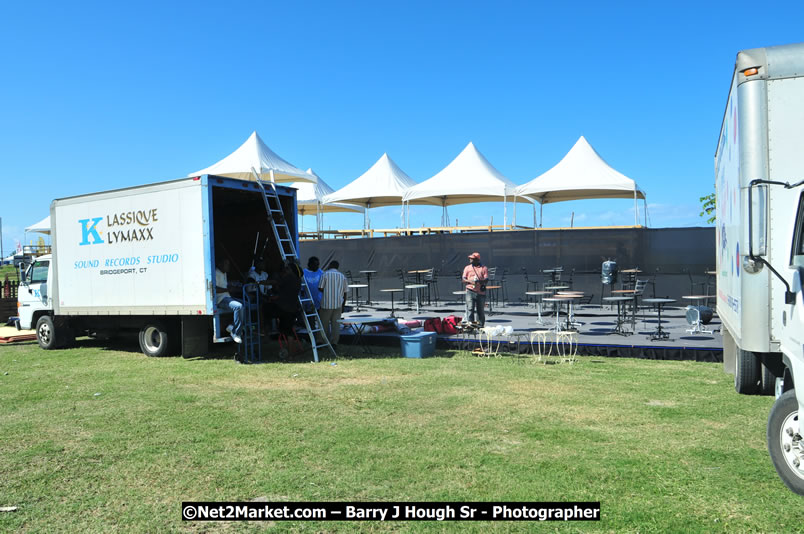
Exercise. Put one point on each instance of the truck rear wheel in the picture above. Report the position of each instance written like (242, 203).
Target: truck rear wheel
(784, 441)
(65, 335)
(767, 382)
(46, 332)
(154, 340)
(746, 372)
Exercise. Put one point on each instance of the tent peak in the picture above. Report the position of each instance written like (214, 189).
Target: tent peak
(582, 173)
(254, 153)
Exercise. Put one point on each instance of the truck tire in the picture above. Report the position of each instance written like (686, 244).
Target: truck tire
(65, 336)
(746, 372)
(46, 332)
(785, 443)
(767, 383)
(155, 340)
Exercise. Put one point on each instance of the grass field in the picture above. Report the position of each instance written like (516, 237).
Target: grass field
(98, 440)
(9, 270)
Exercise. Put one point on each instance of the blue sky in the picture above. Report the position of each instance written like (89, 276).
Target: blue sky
(102, 95)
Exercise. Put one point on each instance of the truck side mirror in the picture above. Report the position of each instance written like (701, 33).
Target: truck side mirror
(757, 220)
(795, 287)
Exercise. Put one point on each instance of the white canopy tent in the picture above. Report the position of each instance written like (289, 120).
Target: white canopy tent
(581, 174)
(254, 153)
(42, 227)
(468, 178)
(310, 198)
(382, 185)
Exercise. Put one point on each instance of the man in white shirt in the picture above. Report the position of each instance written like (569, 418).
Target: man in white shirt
(258, 274)
(333, 287)
(224, 300)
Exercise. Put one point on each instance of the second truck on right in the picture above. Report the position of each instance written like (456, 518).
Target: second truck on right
(759, 181)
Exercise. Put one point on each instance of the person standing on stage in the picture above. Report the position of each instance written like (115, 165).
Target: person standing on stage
(333, 287)
(312, 275)
(475, 276)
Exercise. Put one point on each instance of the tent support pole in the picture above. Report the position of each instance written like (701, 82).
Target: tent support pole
(541, 218)
(645, 207)
(505, 213)
(318, 219)
(636, 210)
(513, 223)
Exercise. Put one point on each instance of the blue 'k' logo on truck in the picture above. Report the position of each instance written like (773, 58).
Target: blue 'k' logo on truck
(89, 231)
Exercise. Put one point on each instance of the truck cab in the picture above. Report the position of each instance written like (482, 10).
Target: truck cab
(33, 299)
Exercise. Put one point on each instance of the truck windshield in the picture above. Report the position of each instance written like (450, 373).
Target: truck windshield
(37, 273)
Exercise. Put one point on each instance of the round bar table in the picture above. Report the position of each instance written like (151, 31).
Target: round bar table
(618, 329)
(537, 301)
(368, 274)
(659, 333)
(356, 294)
(392, 291)
(557, 304)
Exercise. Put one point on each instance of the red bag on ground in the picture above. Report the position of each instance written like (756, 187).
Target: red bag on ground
(433, 324)
(450, 324)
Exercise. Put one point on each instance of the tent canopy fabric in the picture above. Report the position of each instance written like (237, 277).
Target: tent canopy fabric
(382, 185)
(255, 153)
(310, 196)
(468, 178)
(581, 174)
(42, 227)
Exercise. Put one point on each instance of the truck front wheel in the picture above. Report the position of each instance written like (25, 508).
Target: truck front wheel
(154, 340)
(785, 443)
(46, 332)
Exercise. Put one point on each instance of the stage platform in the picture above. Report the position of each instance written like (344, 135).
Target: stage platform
(595, 330)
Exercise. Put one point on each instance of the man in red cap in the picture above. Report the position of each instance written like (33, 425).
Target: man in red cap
(475, 276)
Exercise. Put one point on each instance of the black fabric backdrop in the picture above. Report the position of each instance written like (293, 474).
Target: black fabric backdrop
(675, 258)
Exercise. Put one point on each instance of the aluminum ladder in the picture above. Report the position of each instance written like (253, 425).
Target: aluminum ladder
(251, 348)
(287, 249)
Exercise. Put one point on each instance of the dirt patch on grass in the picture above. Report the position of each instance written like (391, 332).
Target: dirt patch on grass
(662, 404)
(293, 383)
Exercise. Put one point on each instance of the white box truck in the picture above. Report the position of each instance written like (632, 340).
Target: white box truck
(759, 172)
(142, 260)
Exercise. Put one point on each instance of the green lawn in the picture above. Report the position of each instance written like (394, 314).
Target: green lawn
(98, 440)
(9, 270)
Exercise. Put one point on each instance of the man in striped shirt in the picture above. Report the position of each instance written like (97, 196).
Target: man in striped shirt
(333, 288)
